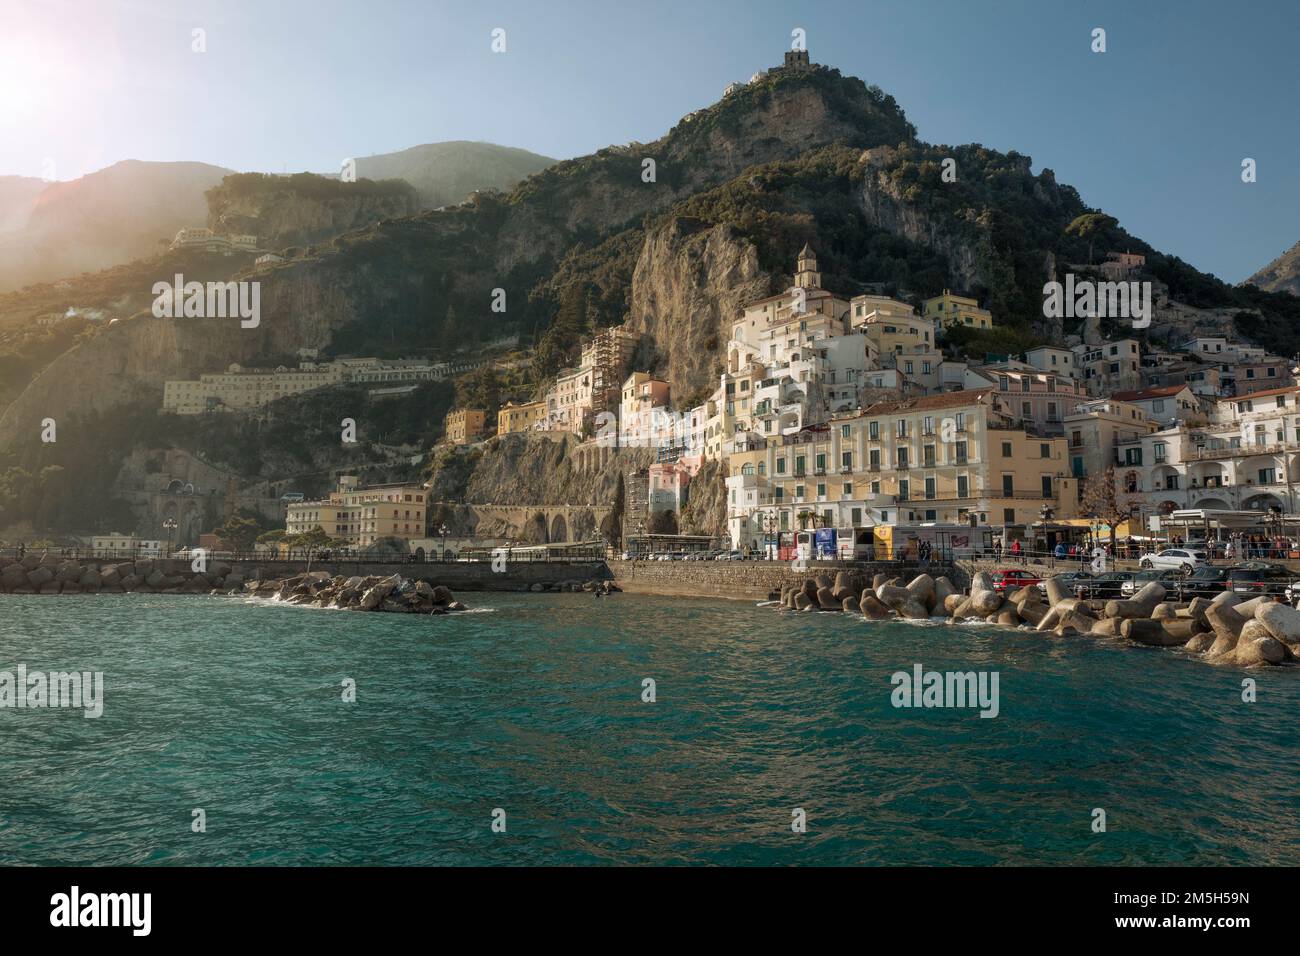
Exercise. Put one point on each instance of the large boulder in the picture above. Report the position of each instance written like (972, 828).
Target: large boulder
(68, 571)
(39, 576)
(1282, 621)
(1227, 625)
(1140, 604)
(943, 589)
(826, 599)
(1253, 651)
(922, 590)
(1200, 643)
(12, 577)
(872, 608)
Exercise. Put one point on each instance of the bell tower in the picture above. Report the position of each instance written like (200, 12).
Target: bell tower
(806, 275)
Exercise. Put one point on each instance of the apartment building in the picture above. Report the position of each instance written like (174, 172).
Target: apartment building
(948, 457)
(465, 425)
(1095, 429)
(949, 310)
(1041, 400)
(1110, 367)
(526, 416)
(359, 516)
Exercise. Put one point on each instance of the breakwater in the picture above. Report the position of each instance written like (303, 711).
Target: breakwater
(51, 573)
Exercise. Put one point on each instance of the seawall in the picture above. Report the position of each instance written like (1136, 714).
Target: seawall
(744, 580)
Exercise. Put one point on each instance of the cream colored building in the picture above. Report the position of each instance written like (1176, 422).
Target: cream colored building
(465, 425)
(942, 458)
(239, 388)
(513, 418)
(949, 309)
(361, 516)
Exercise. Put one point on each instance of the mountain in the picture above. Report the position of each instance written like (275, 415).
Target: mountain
(446, 173)
(1280, 275)
(17, 197)
(108, 217)
(672, 236)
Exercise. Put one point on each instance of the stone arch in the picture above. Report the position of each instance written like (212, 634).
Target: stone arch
(534, 530)
(584, 526)
(559, 529)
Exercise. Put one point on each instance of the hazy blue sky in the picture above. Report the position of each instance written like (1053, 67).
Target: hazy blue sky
(1153, 130)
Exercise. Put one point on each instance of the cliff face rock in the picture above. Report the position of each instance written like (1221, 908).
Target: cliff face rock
(690, 283)
(1280, 275)
(885, 206)
(284, 218)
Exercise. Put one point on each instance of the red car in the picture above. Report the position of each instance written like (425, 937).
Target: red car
(1013, 578)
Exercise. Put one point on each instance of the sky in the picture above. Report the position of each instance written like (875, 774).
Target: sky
(1153, 130)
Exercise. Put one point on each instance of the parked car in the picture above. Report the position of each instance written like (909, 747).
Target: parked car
(1106, 586)
(1173, 558)
(1171, 579)
(1206, 582)
(1253, 578)
(1013, 578)
(1070, 580)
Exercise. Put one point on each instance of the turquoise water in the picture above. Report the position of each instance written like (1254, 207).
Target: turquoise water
(535, 707)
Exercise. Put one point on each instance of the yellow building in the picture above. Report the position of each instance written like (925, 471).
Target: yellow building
(520, 418)
(942, 458)
(949, 309)
(360, 516)
(465, 425)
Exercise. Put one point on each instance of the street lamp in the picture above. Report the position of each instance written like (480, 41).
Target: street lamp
(443, 531)
(170, 525)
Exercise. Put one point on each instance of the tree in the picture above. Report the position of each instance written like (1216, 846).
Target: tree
(1101, 501)
(238, 532)
(1090, 226)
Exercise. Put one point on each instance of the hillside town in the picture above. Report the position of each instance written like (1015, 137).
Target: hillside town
(846, 413)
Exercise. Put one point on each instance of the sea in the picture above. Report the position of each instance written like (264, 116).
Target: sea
(565, 729)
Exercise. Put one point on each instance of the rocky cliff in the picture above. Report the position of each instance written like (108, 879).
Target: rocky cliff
(1280, 275)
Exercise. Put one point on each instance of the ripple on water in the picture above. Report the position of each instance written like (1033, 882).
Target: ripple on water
(533, 703)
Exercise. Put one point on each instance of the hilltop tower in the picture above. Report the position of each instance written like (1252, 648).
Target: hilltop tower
(796, 61)
(806, 275)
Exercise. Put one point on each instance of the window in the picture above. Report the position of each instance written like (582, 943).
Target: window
(929, 489)
(1008, 485)
(821, 491)
(1158, 451)
(873, 431)
(780, 466)
(1006, 449)
(960, 450)
(963, 486)
(1009, 515)
(927, 455)
(902, 428)
(903, 489)
(857, 517)
(844, 431)
(1047, 486)
(846, 459)
(1044, 451)
(875, 459)
(901, 456)
(927, 425)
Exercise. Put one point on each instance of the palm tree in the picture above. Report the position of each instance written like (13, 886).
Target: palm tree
(804, 517)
